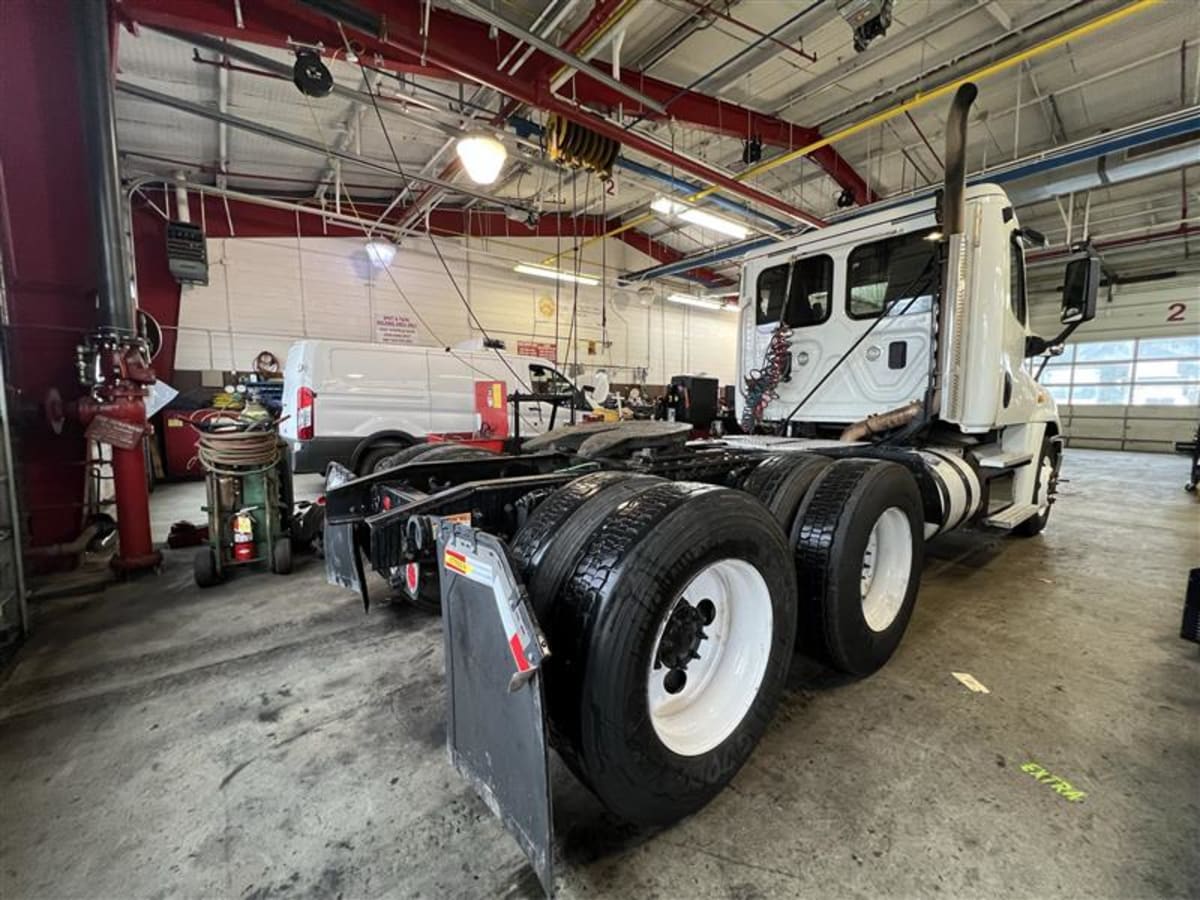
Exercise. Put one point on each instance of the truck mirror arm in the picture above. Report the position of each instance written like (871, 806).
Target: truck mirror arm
(1036, 346)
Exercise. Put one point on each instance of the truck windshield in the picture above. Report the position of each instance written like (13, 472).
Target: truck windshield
(890, 272)
(808, 299)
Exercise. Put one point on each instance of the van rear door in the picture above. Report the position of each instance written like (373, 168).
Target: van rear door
(296, 374)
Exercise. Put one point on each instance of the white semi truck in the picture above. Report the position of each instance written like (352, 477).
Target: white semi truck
(634, 599)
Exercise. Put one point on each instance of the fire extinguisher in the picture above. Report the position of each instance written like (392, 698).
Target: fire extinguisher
(243, 537)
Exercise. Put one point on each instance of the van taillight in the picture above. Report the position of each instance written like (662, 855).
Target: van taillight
(304, 413)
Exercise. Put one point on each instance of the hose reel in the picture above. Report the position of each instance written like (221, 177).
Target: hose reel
(580, 147)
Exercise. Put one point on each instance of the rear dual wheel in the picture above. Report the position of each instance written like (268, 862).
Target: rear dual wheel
(670, 610)
(859, 545)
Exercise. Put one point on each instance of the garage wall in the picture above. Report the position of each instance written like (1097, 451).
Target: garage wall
(264, 293)
(1143, 351)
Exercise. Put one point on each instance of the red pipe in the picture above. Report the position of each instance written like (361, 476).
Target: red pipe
(126, 404)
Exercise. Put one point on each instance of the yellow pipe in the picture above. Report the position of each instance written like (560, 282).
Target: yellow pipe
(918, 99)
(621, 12)
(632, 223)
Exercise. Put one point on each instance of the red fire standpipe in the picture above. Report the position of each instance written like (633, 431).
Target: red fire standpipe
(113, 361)
(124, 404)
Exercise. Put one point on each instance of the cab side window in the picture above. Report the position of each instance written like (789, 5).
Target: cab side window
(1016, 277)
(798, 292)
(894, 274)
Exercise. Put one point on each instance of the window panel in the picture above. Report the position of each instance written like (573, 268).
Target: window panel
(1016, 279)
(808, 297)
(1169, 348)
(1100, 394)
(1108, 374)
(1168, 370)
(1056, 375)
(1166, 394)
(1102, 351)
(1060, 393)
(891, 271)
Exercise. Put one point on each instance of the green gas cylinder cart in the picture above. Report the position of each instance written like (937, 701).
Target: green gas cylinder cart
(248, 486)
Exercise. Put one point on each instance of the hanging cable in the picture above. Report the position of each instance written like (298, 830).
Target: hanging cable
(432, 240)
(884, 313)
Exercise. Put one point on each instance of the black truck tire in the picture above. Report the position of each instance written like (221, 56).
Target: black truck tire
(783, 480)
(1049, 460)
(441, 452)
(627, 625)
(546, 549)
(859, 543)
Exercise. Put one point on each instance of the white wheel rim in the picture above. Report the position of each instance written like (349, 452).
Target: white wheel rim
(721, 683)
(886, 568)
(1044, 478)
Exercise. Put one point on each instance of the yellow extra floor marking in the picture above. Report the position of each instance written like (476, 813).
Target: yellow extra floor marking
(1058, 785)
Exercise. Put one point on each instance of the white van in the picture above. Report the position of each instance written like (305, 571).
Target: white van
(357, 403)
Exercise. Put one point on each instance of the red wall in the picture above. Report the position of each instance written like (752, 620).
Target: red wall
(49, 262)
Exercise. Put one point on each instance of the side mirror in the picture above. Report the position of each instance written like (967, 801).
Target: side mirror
(1080, 288)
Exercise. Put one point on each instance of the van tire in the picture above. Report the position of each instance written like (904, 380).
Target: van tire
(428, 452)
(832, 539)
(375, 458)
(606, 627)
(783, 480)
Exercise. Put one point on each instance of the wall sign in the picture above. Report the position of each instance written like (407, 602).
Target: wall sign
(394, 328)
(544, 349)
(1176, 312)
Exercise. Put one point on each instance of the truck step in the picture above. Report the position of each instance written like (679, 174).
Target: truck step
(998, 459)
(1011, 516)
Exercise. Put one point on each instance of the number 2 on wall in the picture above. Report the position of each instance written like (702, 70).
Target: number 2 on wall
(1175, 312)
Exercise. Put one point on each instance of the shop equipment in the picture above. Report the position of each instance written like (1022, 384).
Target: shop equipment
(248, 487)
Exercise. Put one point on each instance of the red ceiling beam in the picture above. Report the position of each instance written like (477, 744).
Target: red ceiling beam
(456, 44)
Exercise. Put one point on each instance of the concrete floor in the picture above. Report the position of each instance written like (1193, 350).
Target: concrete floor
(269, 740)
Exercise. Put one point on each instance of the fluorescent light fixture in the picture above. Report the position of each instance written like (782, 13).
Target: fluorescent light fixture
(555, 274)
(711, 304)
(482, 156)
(380, 252)
(667, 207)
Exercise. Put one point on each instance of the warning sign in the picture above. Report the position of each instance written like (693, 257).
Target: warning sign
(394, 328)
(544, 349)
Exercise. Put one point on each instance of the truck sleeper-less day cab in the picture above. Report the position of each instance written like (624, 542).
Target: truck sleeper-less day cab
(642, 596)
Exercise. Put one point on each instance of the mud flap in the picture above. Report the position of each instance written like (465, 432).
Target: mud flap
(343, 562)
(496, 729)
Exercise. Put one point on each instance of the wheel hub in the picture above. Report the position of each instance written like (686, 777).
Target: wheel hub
(681, 639)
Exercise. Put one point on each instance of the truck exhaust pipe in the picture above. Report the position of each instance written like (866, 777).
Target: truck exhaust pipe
(951, 305)
(953, 208)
